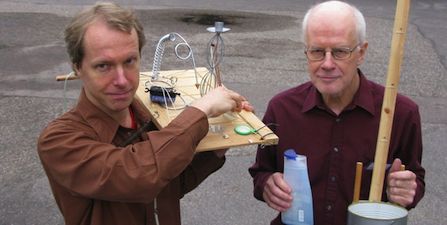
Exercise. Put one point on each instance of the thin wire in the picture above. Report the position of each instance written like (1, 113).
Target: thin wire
(159, 52)
(208, 83)
(189, 55)
(167, 99)
(216, 47)
(269, 133)
(215, 55)
(157, 222)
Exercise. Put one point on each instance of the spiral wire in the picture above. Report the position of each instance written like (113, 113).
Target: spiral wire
(165, 82)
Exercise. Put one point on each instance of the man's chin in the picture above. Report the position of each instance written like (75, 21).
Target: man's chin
(325, 90)
(118, 106)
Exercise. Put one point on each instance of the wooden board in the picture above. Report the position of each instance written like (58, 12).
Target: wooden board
(221, 134)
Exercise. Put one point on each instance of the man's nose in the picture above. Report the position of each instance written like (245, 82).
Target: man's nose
(328, 60)
(120, 76)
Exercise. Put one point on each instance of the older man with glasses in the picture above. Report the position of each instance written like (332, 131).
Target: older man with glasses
(334, 121)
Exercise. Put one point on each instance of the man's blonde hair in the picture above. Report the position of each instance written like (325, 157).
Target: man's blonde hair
(112, 14)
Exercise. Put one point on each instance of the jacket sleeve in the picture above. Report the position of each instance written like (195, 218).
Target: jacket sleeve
(73, 157)
(203, 165)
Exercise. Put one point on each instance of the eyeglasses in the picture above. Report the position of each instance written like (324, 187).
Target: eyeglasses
(318, 54)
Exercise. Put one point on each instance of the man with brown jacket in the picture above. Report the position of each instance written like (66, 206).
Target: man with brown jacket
(95, 178)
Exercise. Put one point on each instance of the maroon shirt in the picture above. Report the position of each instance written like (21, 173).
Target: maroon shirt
(334, 144)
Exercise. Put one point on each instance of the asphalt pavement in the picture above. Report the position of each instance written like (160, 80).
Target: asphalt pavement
(263, 55)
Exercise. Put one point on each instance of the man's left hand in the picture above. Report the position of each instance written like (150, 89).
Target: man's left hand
(402, 185)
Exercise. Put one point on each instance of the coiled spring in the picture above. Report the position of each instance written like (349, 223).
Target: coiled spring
(168, 84)
(159, 51)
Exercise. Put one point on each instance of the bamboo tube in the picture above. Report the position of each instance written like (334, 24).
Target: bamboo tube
(358, 181)
(389, 99)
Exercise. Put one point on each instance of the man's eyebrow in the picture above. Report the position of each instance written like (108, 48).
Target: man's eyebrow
(101, 61)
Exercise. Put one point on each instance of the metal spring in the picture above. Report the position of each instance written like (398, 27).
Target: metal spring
(159, 51)
(170, 82)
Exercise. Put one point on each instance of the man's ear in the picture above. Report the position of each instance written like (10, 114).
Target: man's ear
(76, 68)
(363, 48)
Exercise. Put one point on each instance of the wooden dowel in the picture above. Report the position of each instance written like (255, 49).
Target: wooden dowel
(358, 181)
(64, 77)
(389, 99)
(402, 167)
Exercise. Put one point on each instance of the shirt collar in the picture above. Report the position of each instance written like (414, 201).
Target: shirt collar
(363, 98)
(313, 99)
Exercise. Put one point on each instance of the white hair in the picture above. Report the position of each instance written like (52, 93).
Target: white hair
(360, 24)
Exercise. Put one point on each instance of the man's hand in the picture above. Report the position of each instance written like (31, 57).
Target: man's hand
(221, 100)
(277, 193)
(247, 106)
(401, 187)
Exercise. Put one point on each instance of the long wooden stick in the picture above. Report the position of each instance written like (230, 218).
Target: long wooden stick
(389, 99)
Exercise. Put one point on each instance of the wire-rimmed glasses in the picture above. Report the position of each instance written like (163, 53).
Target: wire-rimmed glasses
(318, 54)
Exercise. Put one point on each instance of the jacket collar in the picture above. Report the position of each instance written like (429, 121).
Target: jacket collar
(103, 124)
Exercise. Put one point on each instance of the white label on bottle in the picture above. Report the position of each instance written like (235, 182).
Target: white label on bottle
(301, 215)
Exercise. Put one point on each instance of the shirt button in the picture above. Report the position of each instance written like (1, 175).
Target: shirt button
(333, 178)
(335, 149)
(329, 207)
(338, 120)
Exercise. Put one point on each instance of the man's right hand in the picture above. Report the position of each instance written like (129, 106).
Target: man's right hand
(218, 101)
(277, 193)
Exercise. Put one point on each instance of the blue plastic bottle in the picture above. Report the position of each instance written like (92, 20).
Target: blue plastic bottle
(295, 174)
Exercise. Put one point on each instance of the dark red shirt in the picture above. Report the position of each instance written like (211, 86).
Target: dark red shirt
(334, 144)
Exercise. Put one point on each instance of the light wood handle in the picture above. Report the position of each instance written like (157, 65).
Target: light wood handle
(64, 77)
(358, 181)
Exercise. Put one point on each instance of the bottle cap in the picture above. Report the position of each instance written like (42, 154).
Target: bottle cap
(290, 154)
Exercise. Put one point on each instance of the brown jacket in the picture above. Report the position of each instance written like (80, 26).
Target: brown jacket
(96, 182)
